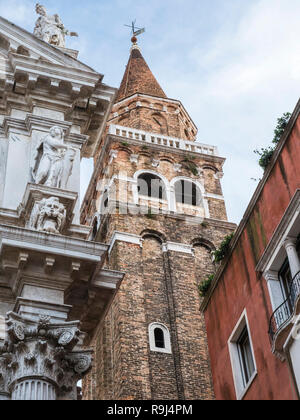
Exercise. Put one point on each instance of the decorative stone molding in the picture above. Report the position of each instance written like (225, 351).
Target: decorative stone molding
(178, 247)
(48, 215)
(39, 361)
(43, 206)
(219, 175)
(125, 237)
(177, 167)
(113, 155)
(155, 163)
(134, 159)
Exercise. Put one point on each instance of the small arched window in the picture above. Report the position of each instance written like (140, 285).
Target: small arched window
(151, 186)
(187, 192)
(159, 338)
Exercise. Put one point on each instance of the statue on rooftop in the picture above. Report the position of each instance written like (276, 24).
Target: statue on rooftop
(50, 28)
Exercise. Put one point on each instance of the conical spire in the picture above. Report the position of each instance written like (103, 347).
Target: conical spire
(138, 78)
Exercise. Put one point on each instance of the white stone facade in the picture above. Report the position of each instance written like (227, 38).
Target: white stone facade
(53, 110)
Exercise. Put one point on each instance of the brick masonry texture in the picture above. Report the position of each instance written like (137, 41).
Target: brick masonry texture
(138, 78)
(159, 285)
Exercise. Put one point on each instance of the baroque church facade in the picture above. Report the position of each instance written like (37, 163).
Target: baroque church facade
(106, 292)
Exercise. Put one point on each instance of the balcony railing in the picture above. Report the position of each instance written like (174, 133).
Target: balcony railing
(161, 140)
(285, 311)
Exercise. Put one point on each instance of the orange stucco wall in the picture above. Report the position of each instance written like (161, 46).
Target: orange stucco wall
(241, 287)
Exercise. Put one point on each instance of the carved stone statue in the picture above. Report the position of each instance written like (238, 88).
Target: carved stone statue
(48, 215)
(50, 28)
(52, 160)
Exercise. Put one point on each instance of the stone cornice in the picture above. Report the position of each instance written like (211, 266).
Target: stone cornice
(178, 247)
(26, 239)
(42, 49)
(34, 122)
(125, 237)
(108, 279)
(36, 68)
(210, 158)
(252, 204)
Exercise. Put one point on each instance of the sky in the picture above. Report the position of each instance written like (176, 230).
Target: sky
(234, 64)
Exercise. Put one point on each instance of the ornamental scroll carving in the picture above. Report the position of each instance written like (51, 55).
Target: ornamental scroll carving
(52, 160)
(42, 351)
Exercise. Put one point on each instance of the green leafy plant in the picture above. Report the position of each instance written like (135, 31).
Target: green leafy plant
(266, 154)
(190, 166)
(220, 253)
(193, 169)
(205, 285)
(124, 143)
(281, 126)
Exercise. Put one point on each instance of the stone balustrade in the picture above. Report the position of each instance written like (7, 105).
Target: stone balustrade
(161, 140)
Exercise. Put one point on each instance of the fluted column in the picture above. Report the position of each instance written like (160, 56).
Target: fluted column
(38, 361)
(34, 390)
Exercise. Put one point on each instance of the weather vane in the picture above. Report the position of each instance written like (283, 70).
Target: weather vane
(135, 30)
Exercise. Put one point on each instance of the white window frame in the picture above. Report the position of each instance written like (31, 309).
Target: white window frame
(167, 338)
(201, 189)
(137, 196)
(237, 370)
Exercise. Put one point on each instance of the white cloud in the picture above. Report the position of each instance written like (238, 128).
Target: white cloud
(262, 54)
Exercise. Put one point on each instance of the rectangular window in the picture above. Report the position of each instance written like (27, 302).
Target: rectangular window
(242, 357)
(246, 357)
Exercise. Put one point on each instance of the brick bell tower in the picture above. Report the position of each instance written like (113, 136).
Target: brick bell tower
(155, 197)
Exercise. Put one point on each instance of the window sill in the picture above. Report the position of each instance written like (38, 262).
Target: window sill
(245, 390)
(159, 350)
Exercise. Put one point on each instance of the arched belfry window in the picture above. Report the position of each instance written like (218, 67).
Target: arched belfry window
(159, 338)
(187, 192)
(151, 185)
